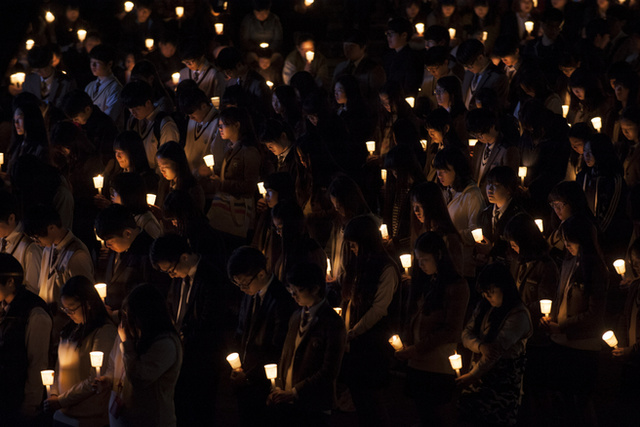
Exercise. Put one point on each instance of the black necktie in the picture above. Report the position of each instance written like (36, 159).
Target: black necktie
(3, 245)
(97, 86)
(351, 68)
(196, 75)
(52, 264)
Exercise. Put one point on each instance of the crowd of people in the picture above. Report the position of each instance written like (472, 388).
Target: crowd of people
(264, 210)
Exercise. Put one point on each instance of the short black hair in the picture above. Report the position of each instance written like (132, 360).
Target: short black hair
(246, 260)
(505, 176)
(261, 5)
(192, 48)
(113, 221)
(229, 58)
(437, 55)
(39, 56)
(307, 276)
(273, 128)
(8, 206)
(191, 99)
(454, 157)
(75, 103)
(303, 37)
(469, 50)
(104, 53)
(481, 120)
(356, 36)
(438, 34)
(168, 248)
(136, 93)
(10, 268)
(38, 218)
(505, 46)
(400, 26)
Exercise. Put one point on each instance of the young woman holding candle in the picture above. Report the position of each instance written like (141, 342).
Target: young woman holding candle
(578, 135)
(73, 396)
(127, 189)
(496, 334)
(174, 167)
(437, 305)
(449, 96)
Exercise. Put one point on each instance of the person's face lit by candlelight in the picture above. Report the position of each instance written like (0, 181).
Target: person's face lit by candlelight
(426, 262)
(337, 206)
(100, 68)
(303, 297)
(562, 209)
(396, 40)
(73, 308)
(568, 71)
(579, 92)
(514, 246)
(353, 247)
(353, 51)
(446, 176)
(526, 6)
(439, 71)
(18, 121)
(589, 158)
(167, 49)
(572, 247)
(418, 210)
(264, 63)
(443, 98)
(167, 168)
(436, 136)
(577, 144)
(340, 95)
(130, 62)
(497, 193)
(250, 284)
(481, 11)
(143, 13)
(412, 10)
(384, 101)
(83, 116)
(447, 10)
(178, 270)
(122, 157)
(629, 130)
(72, 14)
(261, 15)
(494, 295)
(271, 197)
(275, 103)
(304, 47)
(622, 92)
(230, 131)
(488, 137)
(277, 224)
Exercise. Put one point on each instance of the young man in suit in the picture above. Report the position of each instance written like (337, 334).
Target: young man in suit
(105, 89)
(192, 52)
(46, 83)
(480, 73)
(262, 327)
(312, 353)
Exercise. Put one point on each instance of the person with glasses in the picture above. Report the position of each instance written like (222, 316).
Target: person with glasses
(262, 327)
(25, 331)
(73, 396)
(193, 53)
(480, 73)
(198, 304)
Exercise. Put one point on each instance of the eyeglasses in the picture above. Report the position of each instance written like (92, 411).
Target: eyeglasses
(170, 270)
(557, 205)
(439, 91)
(70, 311)
(246, 285)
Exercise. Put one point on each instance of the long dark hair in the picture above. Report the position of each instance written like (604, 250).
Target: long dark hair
(498, 275)
(348, 195)
(130, 187)
(235, 115)
(145, 316)
(180, 206)
(173, 151)
(436, 216)
(451, 84)
(607, 162)
(95, 314)
(130, 142)
(454, 157)
(579, 229)
(523, 230)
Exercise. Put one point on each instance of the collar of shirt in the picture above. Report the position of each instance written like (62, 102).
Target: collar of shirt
(503, 209)
(263, 291)
(314, 309)
(64, 242)
(14, 236)
(192, 270)
(48, 80)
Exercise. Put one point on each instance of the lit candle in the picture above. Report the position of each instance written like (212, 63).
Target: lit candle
(309, 55)
(264, 45)
(270, 84)
(328, 267)
(484, 36)
(82, 34)
(540, 225)
(522, 172)
(17, 79)
(219, 28)
(545, 306)
(49, 17)
(528, 26)
(535, 3)
(411, 101)
(405, 260)
(1, 159)
(620, 266)
(420, 28)
(98, 182)
(261, 189)
(610, 338)
(384, 232)
(452, 33)
(383, 175)
(102, 290)
(179, 11)
(209, 161)
(29, 44)
(151, 199)
(597, 123)
(396, 343)
(371, 146)
(128, 6)
(272, 373)
(477, 235)
(47, 379)
(215, 100)
(234, 361)
(423, 142)
(338, 310)
(456, 363)
(96, 360)
(225, 5)
(149, 43)
(308, 2)
(175, 78)
(565, 111)
(473, 142)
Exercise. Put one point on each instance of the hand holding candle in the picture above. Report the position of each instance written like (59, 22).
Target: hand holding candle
(128, 6)
(456, 363)
(151, 199)
(411, 101)
(338, 310)
(540, 225)
(477, 235)
(597, 123)
(96, 360)
(384, 231)
(610, 338)
(261, 189)
(47, 380)
(396, 343)
(420, 29)
(219, 27)
(102, 290)
(179, 11)
(371, 146)
(271, 370)
(209, 161)
(98, 182)
(309, 55)
(328, 267)
(175, 78)
(473, 142)
(529, 27)
(383, 175)
(620, 267)
(452, 33)
(234, 361)
(405, 259)
(545, 306)
(565, 111)
(82, 34)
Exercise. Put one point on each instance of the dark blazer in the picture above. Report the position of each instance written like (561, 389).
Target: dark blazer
(406, 68)
(316, 361)
(491, 78)
(262, 334)
(501, 155)
(101, 131)
(369, 73)
(60, 86)
(485, 221)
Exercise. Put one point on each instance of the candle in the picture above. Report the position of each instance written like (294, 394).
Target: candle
(29, 44)
(411, 101)
(308, 2)
(328, 267)
(128, 6)
(565, 111)
(224, 5)
(102, 290)
(219, 28)
(81, 35)
(610, 338)
(456, 363)
(215, 101)
(270, 84)
(452, 33)
(597, 123)
(383, 175)
(522, 172)
(49, 17)
(96, 360)
(620, 266)
(338, 310)
(384, 232)
(261, 189)
(545, 306)
(540, 225)
(371, 146)
(98, 182)
(271, 370)
(535, 3)
(477, 235)
(405, 259)
(528, 26)
(151, 199)
(175, 78)
(179, 11)
(484, 36)
(264, 45)
(473, 142)
(420, 28)
(423, 142)
(1, 159)
(47, 379)
(17, 79)
(209, 161)
(396, 343)
(309, 55)
(234, 361)
(149, 43)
